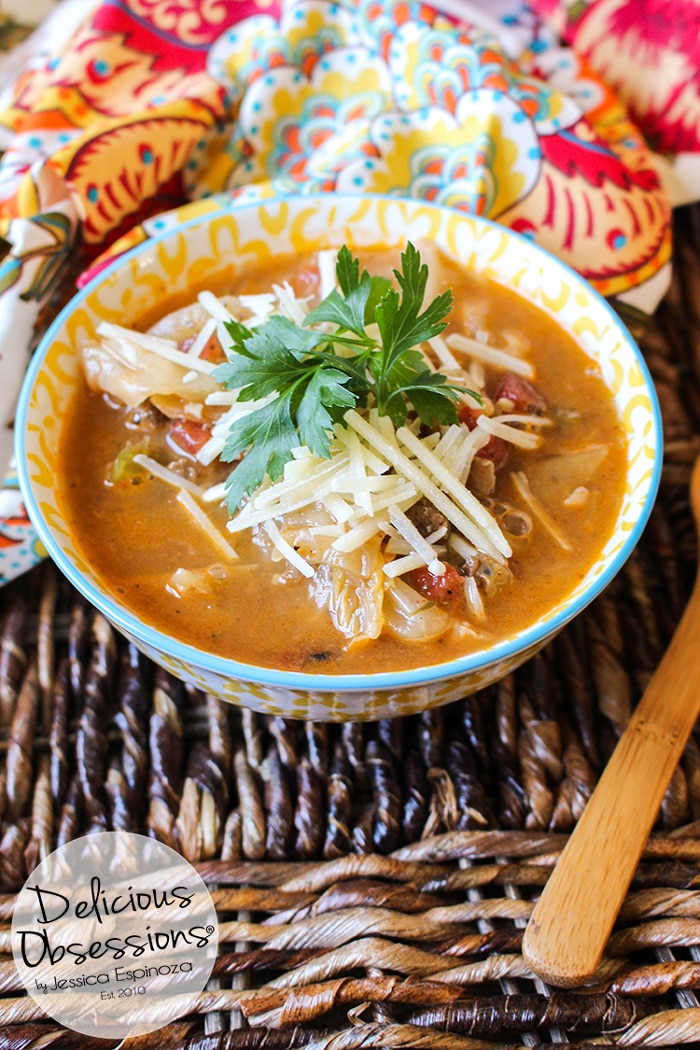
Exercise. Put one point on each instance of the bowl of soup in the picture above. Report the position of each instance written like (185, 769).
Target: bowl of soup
(338, 457)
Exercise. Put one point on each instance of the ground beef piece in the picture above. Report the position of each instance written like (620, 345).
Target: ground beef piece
(144, 417)
(426, 517)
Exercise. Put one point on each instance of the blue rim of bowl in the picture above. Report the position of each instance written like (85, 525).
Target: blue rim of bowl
(128, 622)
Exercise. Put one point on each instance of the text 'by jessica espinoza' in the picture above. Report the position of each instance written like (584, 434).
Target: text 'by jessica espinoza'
(38, 948)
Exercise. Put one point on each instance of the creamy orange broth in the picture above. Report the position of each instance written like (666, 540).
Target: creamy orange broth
(137, 535)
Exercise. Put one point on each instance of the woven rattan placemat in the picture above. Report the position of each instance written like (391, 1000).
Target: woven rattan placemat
(372, 881)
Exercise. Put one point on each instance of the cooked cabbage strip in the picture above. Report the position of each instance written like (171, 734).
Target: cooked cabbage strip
(491, 355)
(350, 585)
(154, 344)
(522, 484)
(411, 616)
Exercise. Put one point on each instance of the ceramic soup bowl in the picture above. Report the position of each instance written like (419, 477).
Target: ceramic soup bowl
(220, 233)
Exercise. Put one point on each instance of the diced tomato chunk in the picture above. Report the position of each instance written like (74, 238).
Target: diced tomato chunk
(211, 352)
(467, 414)
(444, 590)
(524, 396)
(189, 435)
(495, 449)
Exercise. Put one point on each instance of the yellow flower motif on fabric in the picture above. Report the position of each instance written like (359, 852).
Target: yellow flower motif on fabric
(300, 128)
(472, 161)
(305, 32)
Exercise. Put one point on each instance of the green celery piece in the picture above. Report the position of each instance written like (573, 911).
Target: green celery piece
(123, 467)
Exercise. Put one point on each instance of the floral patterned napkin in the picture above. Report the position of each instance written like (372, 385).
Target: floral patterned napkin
(148, 109)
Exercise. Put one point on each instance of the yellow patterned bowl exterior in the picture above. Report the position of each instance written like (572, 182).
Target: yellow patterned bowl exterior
(225, 233)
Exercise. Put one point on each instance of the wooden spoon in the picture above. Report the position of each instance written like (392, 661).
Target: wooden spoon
(572, 920)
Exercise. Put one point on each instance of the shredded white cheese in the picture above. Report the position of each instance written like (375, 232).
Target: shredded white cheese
(444, 355)
(399, 566)
(215, 494)
(338, 507)
(405, 527)
(357, 536)
(491, 355)
(220, 398)
(464, 548)
(403, 495)
(484, 531)
(458, 447)
(291, 307)
(473, 598)
(213, 305)
(499, 427)
(425, 485)
(167, 475)
(284, 497)
(202, 338)
(210, 450)
(326, 271)
(206, 524)
(261, 306)
(286, 550)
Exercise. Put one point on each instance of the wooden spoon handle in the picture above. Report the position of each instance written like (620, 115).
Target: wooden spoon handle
(572, 920)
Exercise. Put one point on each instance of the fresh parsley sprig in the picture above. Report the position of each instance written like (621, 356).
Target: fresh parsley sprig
(357, 348)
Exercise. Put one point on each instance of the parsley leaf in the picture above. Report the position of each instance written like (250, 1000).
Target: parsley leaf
(352, 305)
(266, 436)
(268, 360)
(334, 361)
